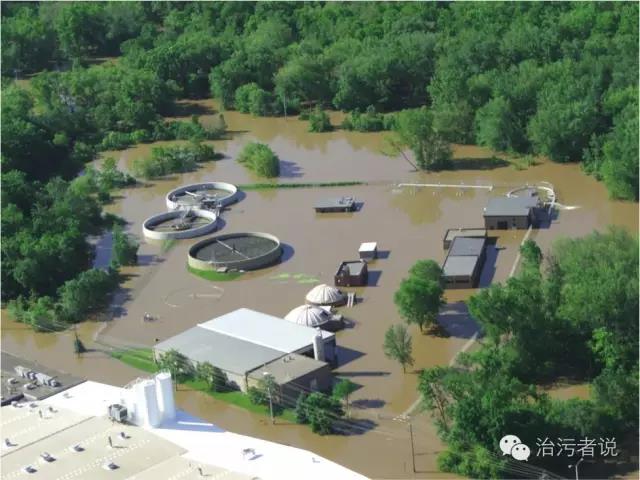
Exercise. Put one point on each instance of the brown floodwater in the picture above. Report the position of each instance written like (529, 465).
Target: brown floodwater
(408, 224)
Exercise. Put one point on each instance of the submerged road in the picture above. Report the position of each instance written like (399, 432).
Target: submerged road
(473, 339)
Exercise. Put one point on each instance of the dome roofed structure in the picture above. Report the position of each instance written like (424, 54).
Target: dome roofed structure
(309, 316)
(325, 295)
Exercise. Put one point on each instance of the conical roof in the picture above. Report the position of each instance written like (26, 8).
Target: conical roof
(324, 295)
(308, 315)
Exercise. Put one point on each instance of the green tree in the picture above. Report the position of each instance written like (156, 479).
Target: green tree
(250, 98)
(415, 130)
(322, 411)
(177, 364)
(427, 270)
(419, 301)
(398, 346)
(214, 377)
(301, 409)
(87, 293)
(343, 389)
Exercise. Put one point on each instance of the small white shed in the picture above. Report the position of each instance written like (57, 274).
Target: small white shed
(368, 250)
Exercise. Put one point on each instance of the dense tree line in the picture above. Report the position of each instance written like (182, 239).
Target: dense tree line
(571, 315)
(558, 80)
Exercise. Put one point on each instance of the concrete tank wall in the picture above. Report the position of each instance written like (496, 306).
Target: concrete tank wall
(251, 264)
(179, 234)
(224, 201)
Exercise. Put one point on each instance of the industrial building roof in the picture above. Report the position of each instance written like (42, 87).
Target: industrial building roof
(176, 449)
(464, 246)
(288, 368)
(354, 268)
(460, 266)
(465, 232)
(338, 202)
(265, 330)
(510, 206)
(140, 450)
(232, 354)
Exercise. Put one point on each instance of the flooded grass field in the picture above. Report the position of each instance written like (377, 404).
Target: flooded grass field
(407, 222)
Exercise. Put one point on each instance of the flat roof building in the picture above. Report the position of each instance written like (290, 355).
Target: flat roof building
(352, 274)
(77, 440)
(368, 250)
(502, 213)
(452, 233)
(338, 204)
(244, 340)
(464, 262)
(293, 373)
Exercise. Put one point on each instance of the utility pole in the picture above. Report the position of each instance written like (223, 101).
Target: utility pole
(413, 455)
(268, 381)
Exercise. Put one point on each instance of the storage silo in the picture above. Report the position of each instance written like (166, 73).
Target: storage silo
(318, 346)
(147, 413)
(164, 392)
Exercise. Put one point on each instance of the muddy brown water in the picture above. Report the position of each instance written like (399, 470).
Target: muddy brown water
(407, 223)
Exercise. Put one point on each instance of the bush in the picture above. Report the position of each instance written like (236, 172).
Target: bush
(250, 98)
(370, 121)
(261, 159)
(257, 396)
(319, 121)
(124, 249)
(116, 141)
(192, 130)
(173, 159)
(301, 410)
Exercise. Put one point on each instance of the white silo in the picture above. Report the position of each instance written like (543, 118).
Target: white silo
(164, 392)
(318, 346)
(147, 413)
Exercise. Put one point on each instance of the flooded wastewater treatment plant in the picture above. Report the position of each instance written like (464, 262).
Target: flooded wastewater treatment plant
(202, 257)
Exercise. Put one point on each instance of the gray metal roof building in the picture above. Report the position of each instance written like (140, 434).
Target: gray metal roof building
(510, 206)
(223, 351)
(463, 246)
(339, 204)
(463, 264)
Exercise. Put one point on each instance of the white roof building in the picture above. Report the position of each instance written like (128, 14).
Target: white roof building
(309, 315)
(325, 295)
(178, 448)
(266, 330)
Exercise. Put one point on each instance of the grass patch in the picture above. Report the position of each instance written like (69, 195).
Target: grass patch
(142, 359)
(239, 399)
(266, 186)
(214, 276)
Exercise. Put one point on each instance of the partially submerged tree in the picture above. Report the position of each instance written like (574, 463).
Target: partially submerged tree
(419, 301)
(398, 346)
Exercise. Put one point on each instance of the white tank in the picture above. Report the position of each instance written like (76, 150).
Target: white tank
(147, 414)
(164, 392)
(318, 346)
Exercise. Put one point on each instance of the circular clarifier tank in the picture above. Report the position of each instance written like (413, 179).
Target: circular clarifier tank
(179, 224)
(235, 251)
(202, 195)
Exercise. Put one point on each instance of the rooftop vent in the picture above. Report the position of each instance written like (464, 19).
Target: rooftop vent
(47, 457)
(110, 466)
(76, 448)
(29, 469)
